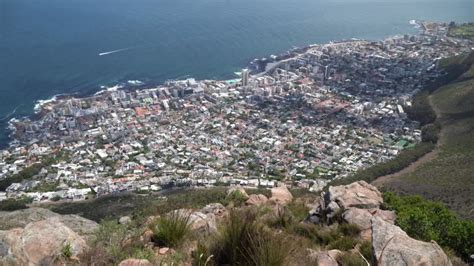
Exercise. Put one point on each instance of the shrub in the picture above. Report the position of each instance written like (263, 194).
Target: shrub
(139, 253)
(244, 241)
(236, 198)
(341, 237)
(343, 243)
(299, 210)
(66, 251)
(349, 229)
(351, 259)
(15, 204)
(110, 236)
(365, 249)
(427, 220)
(170, 230)
(281, 218)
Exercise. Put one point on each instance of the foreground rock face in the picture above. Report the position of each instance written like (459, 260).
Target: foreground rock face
(358, 194)
(392, 246)
(39, 243)
(21, 218)
(362, 218)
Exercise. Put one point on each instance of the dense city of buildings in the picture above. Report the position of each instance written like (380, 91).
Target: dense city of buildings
(320, 114)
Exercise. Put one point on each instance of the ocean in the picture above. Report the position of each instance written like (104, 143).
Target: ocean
(50, 47)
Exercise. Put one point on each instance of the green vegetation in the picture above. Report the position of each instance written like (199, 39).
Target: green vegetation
(351, 259)
(15, 204)
(237, 198)
(66, 251)
(426, 220)
(244, 241)
(115, 242)
(342, 236)
(170, 230)
(465, 31)
(421, 109)
(448, 177)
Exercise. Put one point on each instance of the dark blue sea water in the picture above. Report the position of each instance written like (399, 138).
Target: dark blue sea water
(48, 47)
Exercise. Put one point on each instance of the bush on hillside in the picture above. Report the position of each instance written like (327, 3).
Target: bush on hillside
(171, 229)
(244, 241)
(427, 220)
(342, 237)
(114, 242)
(15, 204)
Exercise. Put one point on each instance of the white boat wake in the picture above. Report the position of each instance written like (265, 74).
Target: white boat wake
(10, 114)
(115, 51)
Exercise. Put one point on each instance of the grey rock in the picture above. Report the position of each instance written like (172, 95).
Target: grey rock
(358, 194)
(125, 220)
(21, 218)
(392, 246)
(39, 243)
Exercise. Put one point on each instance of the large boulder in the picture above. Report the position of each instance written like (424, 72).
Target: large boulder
(392, 246)
(281, 195)
(39, 243)
(203, 223)
(358, 194)
(363, 217)
(215, 208)
(20, 218)
(256, 200)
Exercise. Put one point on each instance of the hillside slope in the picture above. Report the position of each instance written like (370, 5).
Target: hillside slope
(449, 177)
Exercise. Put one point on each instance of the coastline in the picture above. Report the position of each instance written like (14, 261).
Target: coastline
(129, 131)
(255, 66)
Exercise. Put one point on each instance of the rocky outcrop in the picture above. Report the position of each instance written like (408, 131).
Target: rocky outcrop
(135, 262)
(281, 195)
(21, 218)
(358, 194)
(39, 243)
(256, 200)
(215, 208)
(203, 223)
(362, 218)
(392, 246)
(356, 203)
